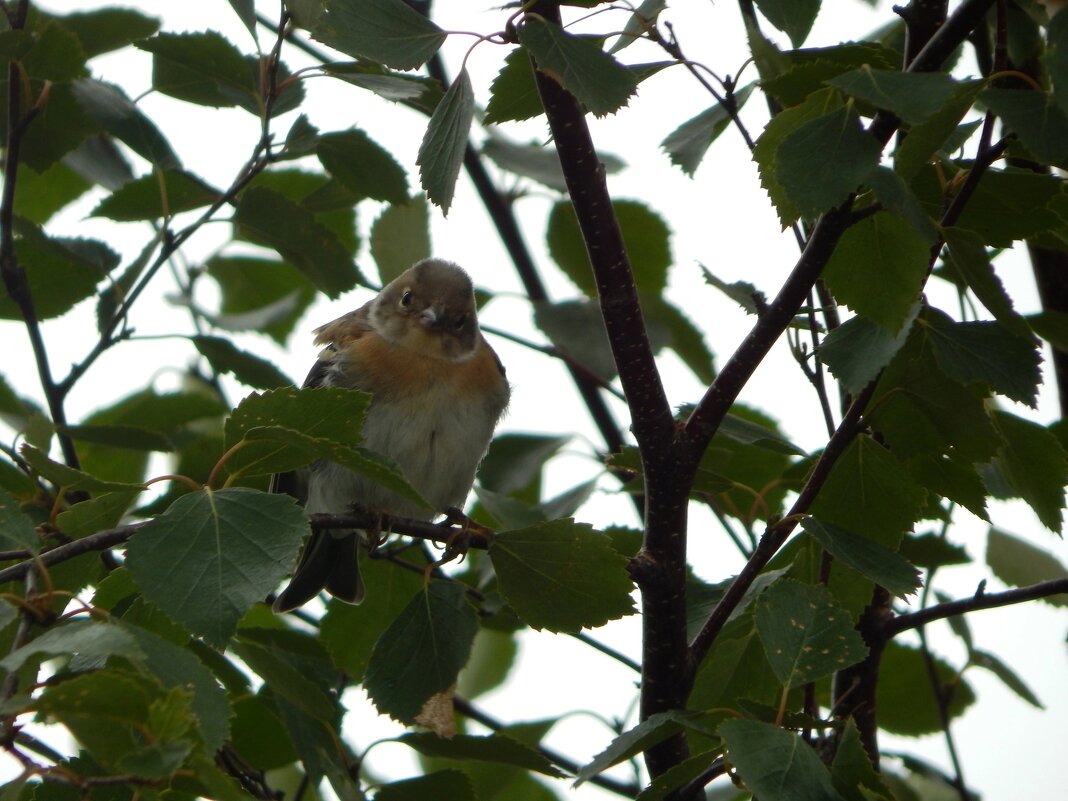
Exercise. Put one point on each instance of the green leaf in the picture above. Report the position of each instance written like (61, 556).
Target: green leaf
(39, 195)
(400, 237)
(577, 328)
(90, 640)
(747, 432)
(441, 152)
(926, 139)
(919, 411)
(741, 292)
(268, 296)
(868, 492)
(953, 479)
(107, 29)
(252, 370)
(212, 555)
(268, 218)
(492, 658)
(578, 63)
(670, 328)
(201, 67)
(932, 551)
(1007, 675)
(1020, 564)
(896, 196)
(1041, 124)
(646, 237)
(350, 632)
(174, 666)
(96, 514)
(16, 529)
(824, 161)
(68, 477)
(109, 108)
(451, 784)
(985, 352)
(118, 436)
(858, 350)
(777, 765)
(907, 704)
(852, 773)
(156, 196)
(792, 17)
(882, 565)
(514, 463)
(422, 651)
(387, 31)
(654, 729)
(286, 680)
(686, 145)
(1034, 463)
(537, 160)
(514, 93)
(60, 272)
(421, 92)
(491, 748)
(363, 166)
(682, 774)
(913, 96)
(879, 268)
(806, 635)
(766, 151)
(1056, 57)
(561, 576)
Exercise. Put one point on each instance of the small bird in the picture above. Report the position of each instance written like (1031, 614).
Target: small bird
(438, 391)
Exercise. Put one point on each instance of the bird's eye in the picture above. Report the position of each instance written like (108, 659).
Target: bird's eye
(406, 298)
(460, 322)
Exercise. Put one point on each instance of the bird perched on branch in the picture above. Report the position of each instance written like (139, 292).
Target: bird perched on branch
(438, 391)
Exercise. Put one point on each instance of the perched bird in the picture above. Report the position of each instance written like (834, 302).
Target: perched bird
(438, 391)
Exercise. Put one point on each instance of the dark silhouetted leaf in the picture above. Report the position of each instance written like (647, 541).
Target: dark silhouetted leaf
(363, 166)
(451, 784)
(985, 352)
(927, 138)
(1007, 675)
(201, 67)
(578, 63)
(513, 93)
(777, 765)
(246, 367)
(826, 159)
(155, 196)
(852, 772)
(386, 31)
(882, 565)
(1034, 463)
(1041, 124)
(113, 111)
(913, 96)
(492, 748)
(792, 17)
(16, 529)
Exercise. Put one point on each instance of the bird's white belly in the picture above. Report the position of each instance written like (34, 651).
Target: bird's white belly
(437, 441)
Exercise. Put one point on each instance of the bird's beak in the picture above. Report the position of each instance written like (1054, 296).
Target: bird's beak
(432, 316)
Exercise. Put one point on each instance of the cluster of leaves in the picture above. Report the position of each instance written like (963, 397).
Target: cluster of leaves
(172, 674)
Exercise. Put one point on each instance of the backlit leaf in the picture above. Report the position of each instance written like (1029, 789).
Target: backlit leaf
(792, 17)
(247, 368)
(1019, 564)
(213, 554)
(687, 144)
(400, 236)
(496, 748)
(561, 576)
(422, 651)
(513, 93)
(856, 351)
(363, 166)
(442, 150)
(1034, 463)
(16, 529)
(156, 196)
(926, 139)
(907, 704)
(451, 784)
(806, 634)
(88, 639)
(912, 96)
(878, 269)
(1041, 124)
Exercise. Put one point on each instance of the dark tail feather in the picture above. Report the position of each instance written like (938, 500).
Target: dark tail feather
(329, 561)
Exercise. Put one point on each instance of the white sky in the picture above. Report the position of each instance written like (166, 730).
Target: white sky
(722, 219)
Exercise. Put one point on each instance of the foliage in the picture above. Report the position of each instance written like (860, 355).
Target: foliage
(138, 618)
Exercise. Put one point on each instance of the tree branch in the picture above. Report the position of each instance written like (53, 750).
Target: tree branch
(981, 600)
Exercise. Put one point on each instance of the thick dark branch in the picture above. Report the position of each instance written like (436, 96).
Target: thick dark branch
(922, 18)
(979, 601)
(14, 276)
(651, 419)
